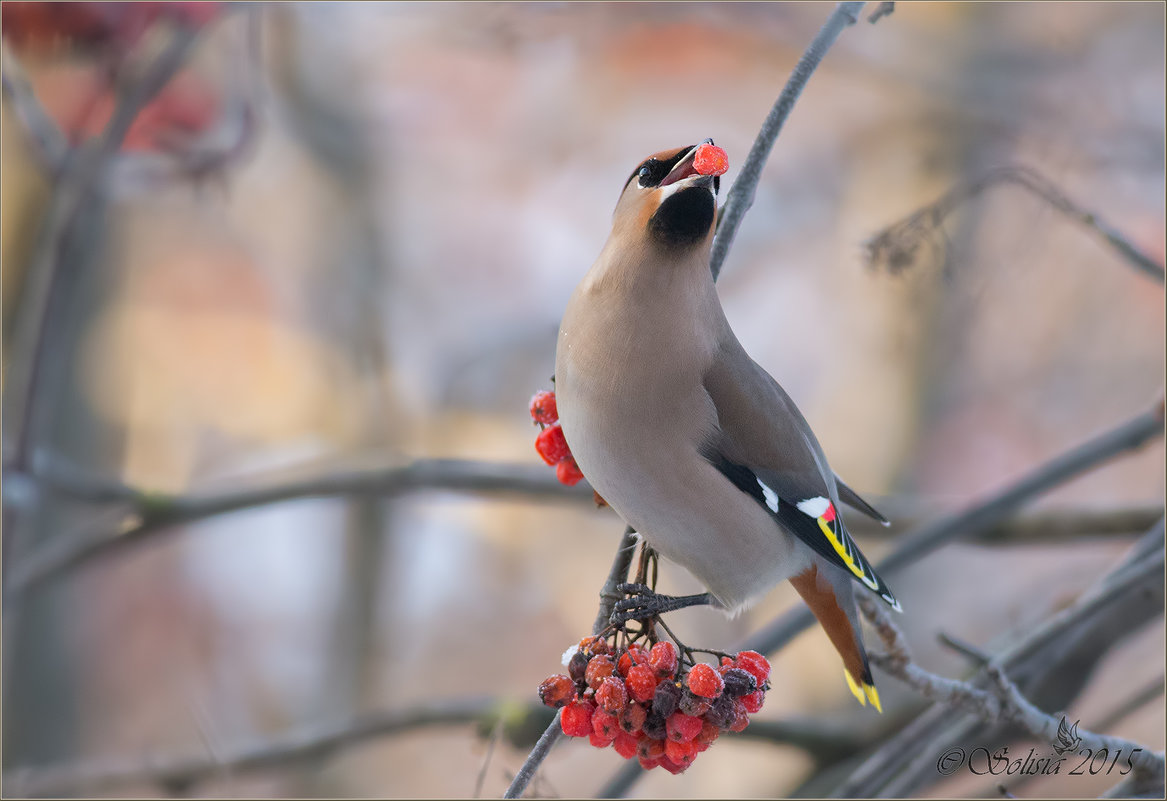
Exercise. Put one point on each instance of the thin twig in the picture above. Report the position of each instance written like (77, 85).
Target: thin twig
(741, 194)
(49, 143)
(895, 247)
(884, 9)
(157, 514)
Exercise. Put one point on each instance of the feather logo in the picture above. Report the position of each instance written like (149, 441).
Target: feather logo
(1067, 739)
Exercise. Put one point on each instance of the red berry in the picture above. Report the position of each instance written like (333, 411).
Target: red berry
(552, 445)
(682, 728)
(709, 732)
(543, 408)
(754, 663)
(635, 655)
(576, 719)
(599, 668)
(741, 717)
(568, 472)
(632, 718)
(594, 645)
(557, 690)
(753, 701)
(671, 766)
(604, 724)
(710, 160)
(705, 681)
(682, 753)
(650, 749)
(663, 658)
(641, 682)
(625, 744)
(649, 764)
(599, 741)
(611, 695)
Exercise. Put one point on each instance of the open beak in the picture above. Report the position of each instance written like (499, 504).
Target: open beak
(684, 169)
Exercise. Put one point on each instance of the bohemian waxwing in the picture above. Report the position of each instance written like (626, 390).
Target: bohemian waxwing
(686, 437)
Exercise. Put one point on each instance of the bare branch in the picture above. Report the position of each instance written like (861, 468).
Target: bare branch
(1047, 526)
(896, 247)
(884, 9)
(156, 514)
(741, 194)
(49, 143)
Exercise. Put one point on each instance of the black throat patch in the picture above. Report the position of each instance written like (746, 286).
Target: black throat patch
(684, 218)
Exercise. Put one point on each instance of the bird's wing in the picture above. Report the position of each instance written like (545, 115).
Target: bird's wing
(852, 499)
(766, 448)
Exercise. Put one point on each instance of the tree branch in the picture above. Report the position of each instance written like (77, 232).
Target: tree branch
(741, 194)
(155, 514)
(895, 248)
(49, 143)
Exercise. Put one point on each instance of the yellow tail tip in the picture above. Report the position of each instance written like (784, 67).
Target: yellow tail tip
(863, 692)
(873, 697)
(855, 690)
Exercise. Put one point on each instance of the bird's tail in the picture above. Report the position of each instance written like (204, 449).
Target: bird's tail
(842, 628)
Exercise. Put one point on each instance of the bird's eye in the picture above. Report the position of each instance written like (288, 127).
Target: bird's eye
(651, 173)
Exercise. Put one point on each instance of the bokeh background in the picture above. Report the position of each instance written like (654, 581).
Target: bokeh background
(375, 273)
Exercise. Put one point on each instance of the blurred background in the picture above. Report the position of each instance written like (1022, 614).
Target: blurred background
(343, 235)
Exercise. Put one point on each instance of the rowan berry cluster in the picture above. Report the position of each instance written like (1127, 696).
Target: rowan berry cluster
(551, 444)
(649, 704)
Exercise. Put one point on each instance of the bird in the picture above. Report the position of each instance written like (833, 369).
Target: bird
(687, 438)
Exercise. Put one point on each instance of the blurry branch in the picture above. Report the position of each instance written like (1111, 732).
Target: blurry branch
(1050, 663)
(895, 248)
(1044, 527)
(884, 9)
(741, 194)
(49, 143)
(986, 515)
(154, 513)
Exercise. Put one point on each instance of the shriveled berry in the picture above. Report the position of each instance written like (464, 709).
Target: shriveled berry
(604, 723)
(753, 701)
(599, 668)
(576, 718)
(741, 717)
(738, 682)
(663, 658)
(599, 740)
(694, 705)
(568, 472)
(557, 691)
(625, 744)
(666, 698)
(650, 749)
(552, 445)
(654, 726)
(710, 160)
(721, 713)
(641, 682)
(577, 666)
(682, 727)
(611, 694)
(681, 752)
(632, 718)
(756, 664)
(543, 408)
(705, 681)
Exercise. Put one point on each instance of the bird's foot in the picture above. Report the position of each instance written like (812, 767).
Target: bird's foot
(643, 603)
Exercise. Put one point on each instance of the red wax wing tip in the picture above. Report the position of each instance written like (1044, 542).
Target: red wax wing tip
(710, 160)
(829, 515)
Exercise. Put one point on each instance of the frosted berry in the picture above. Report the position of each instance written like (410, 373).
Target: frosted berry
(599, 668)
(604, 724)
(611, 695)
(666, 698)
(557, 691)
(632, 718)
(710, 160)
(650, 749)
(641, 682)
(738, 682)
(663, 658)
(626, 744)
(683, 728)
(543, 408)
(721, 713)
(694, 705)
(568, 472)
(671, 766)
(552, 445)
(709, 732)
(654, 726)
(741, 717)
(753, 701)
(649, 764)
(594, 645)
(705, 681)
(599, 741)
(756, 664)
(576, 718)
(635, 655)
(680, 752)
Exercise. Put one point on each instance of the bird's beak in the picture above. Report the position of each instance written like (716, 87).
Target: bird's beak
(684, 171)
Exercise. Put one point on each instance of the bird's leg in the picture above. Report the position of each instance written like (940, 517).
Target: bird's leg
(643, 603)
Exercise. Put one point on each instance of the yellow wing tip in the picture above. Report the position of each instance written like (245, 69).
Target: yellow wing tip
(863, 693)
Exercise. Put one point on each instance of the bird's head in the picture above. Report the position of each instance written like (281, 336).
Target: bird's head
(667, 203)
